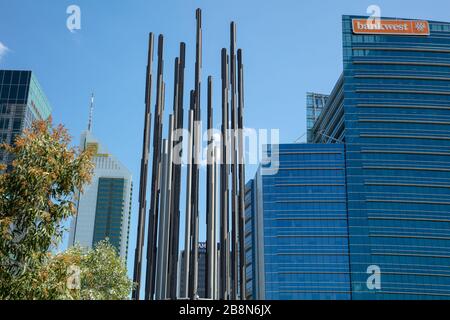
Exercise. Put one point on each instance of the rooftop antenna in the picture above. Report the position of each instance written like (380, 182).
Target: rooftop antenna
(91, 112)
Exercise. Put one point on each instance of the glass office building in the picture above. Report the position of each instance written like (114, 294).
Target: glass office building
(104, 208)
(302, 252)
(22, 101)
(389, 114)
(392, 108)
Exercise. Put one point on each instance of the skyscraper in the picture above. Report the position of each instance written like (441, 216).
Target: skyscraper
(389, 115)
(299, 226)
(104, 208)
(391, 106)
(22, 101)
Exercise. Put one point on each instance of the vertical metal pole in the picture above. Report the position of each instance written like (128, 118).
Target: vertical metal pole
(161, 266)
(234, 202)
(154, 210)
(175, 225)
(195, 171)
(210, 205)
(173, 214)
(143, 174)
(242, 262)
(224, 189)
(187, 233)
(168, 209)
(214, 241)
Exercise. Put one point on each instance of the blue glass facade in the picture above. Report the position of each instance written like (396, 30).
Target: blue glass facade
(315, 103)
(391, 107)
(109, 211)
(21, 102)
(302, 252)
(250, 240)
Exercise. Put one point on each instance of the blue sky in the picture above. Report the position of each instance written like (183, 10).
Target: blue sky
(290, 47)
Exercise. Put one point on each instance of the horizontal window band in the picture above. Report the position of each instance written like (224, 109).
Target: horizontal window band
(403, 121)
(307, 152)
(406, 63)
(416, 274)
(312, 227)
(408, 201)
(416, 250)
(376, 76)
(308, 185)
(311, 272)
(367, 105)
(312, 254)
(311, 219)
(443, 216)
(411, 255)
(406, 152)
(406, 219)
(312, 236)
(312, 196)
(308, 291)
(412, 293)
(305, 210)
(403, 137)
(445, 93)
(407, 237)
(310, 201)
(417, 49)
(407, 168)
(313, 168)
(438, 186)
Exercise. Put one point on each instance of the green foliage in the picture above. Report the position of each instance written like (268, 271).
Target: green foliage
(103, 273)
(37, 194)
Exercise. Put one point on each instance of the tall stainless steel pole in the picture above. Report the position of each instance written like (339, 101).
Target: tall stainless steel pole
(155, 190)
(214, 241)
(224, 188)
(175, 225)
(187, 230)
(143, 174)
(234, 176)
(242, 262)
(161, 266)
(165, 220)
(193, 278)
(210, 204)
(173, 141)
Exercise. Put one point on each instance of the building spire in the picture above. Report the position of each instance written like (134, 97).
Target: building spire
(91, 113)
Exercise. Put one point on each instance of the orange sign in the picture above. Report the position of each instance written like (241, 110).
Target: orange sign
(395, 27)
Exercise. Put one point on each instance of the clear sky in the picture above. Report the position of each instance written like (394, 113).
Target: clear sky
(290, 47)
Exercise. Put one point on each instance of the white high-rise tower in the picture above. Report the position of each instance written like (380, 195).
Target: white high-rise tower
(104, 208)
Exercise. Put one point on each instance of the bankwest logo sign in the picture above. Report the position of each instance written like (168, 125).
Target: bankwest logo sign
(395, 27)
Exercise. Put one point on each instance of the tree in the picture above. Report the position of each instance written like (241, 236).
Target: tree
(85, 274)
(37, 194)
(102, 276)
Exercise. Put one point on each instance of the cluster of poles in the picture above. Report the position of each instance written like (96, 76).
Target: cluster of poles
(225, 257)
